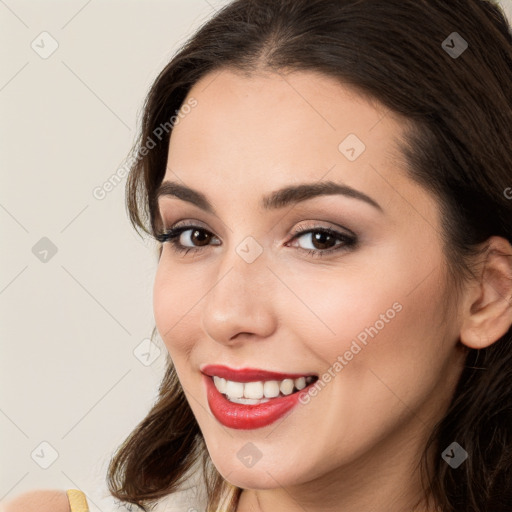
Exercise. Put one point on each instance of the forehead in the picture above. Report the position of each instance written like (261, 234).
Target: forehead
(265, 131)
(281, 111)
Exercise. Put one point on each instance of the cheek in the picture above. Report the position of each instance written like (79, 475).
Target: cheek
(340, 306)
(386, 321)
(175, 307)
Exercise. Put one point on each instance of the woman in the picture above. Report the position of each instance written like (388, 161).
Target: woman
(335, 270)
(377, 376)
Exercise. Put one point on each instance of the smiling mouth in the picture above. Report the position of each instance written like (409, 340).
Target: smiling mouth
(258, 392)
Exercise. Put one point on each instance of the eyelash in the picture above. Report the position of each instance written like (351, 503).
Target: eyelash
(172, 236)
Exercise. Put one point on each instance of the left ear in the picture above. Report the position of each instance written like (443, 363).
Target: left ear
(488, 301)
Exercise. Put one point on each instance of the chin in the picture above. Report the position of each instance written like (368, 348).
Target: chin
(274, 471)
(257, 479)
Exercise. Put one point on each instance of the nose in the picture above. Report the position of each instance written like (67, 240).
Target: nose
(239, 302)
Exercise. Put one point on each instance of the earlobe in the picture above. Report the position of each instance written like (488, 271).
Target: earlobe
(488, 304)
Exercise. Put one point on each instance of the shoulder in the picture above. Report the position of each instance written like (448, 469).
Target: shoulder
(46, 500)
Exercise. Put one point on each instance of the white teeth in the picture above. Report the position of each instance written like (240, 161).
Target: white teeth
(271, 388)
(220, 383)
(253, 390)
(234, 389)
(286, 386)
(300, 383)
(248, 401)
(259, 391)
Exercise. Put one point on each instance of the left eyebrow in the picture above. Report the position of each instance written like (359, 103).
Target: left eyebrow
(275, 200)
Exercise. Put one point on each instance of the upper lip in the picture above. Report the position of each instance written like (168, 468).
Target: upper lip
(249, 374)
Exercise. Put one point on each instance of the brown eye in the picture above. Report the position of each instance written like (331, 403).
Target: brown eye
(322, 240)
(199, 236)
(325, 241)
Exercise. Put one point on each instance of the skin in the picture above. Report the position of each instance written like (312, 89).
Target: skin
(355, 446)
(46, 500)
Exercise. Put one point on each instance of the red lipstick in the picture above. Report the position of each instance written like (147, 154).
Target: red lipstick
(245, 417)
(249, 374)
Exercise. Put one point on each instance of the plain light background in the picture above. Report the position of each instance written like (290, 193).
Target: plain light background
(69, 326)
(75, 322)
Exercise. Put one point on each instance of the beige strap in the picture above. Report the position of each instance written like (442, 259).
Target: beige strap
(77, 501)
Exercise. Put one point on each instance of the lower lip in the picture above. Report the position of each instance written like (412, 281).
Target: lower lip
(245, 417)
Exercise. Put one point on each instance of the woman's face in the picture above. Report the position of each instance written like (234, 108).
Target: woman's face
(365, 312)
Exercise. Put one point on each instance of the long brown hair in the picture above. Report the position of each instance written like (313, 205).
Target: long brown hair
(458, 109)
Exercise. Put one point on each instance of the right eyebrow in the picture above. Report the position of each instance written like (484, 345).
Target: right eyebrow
(275, 200)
